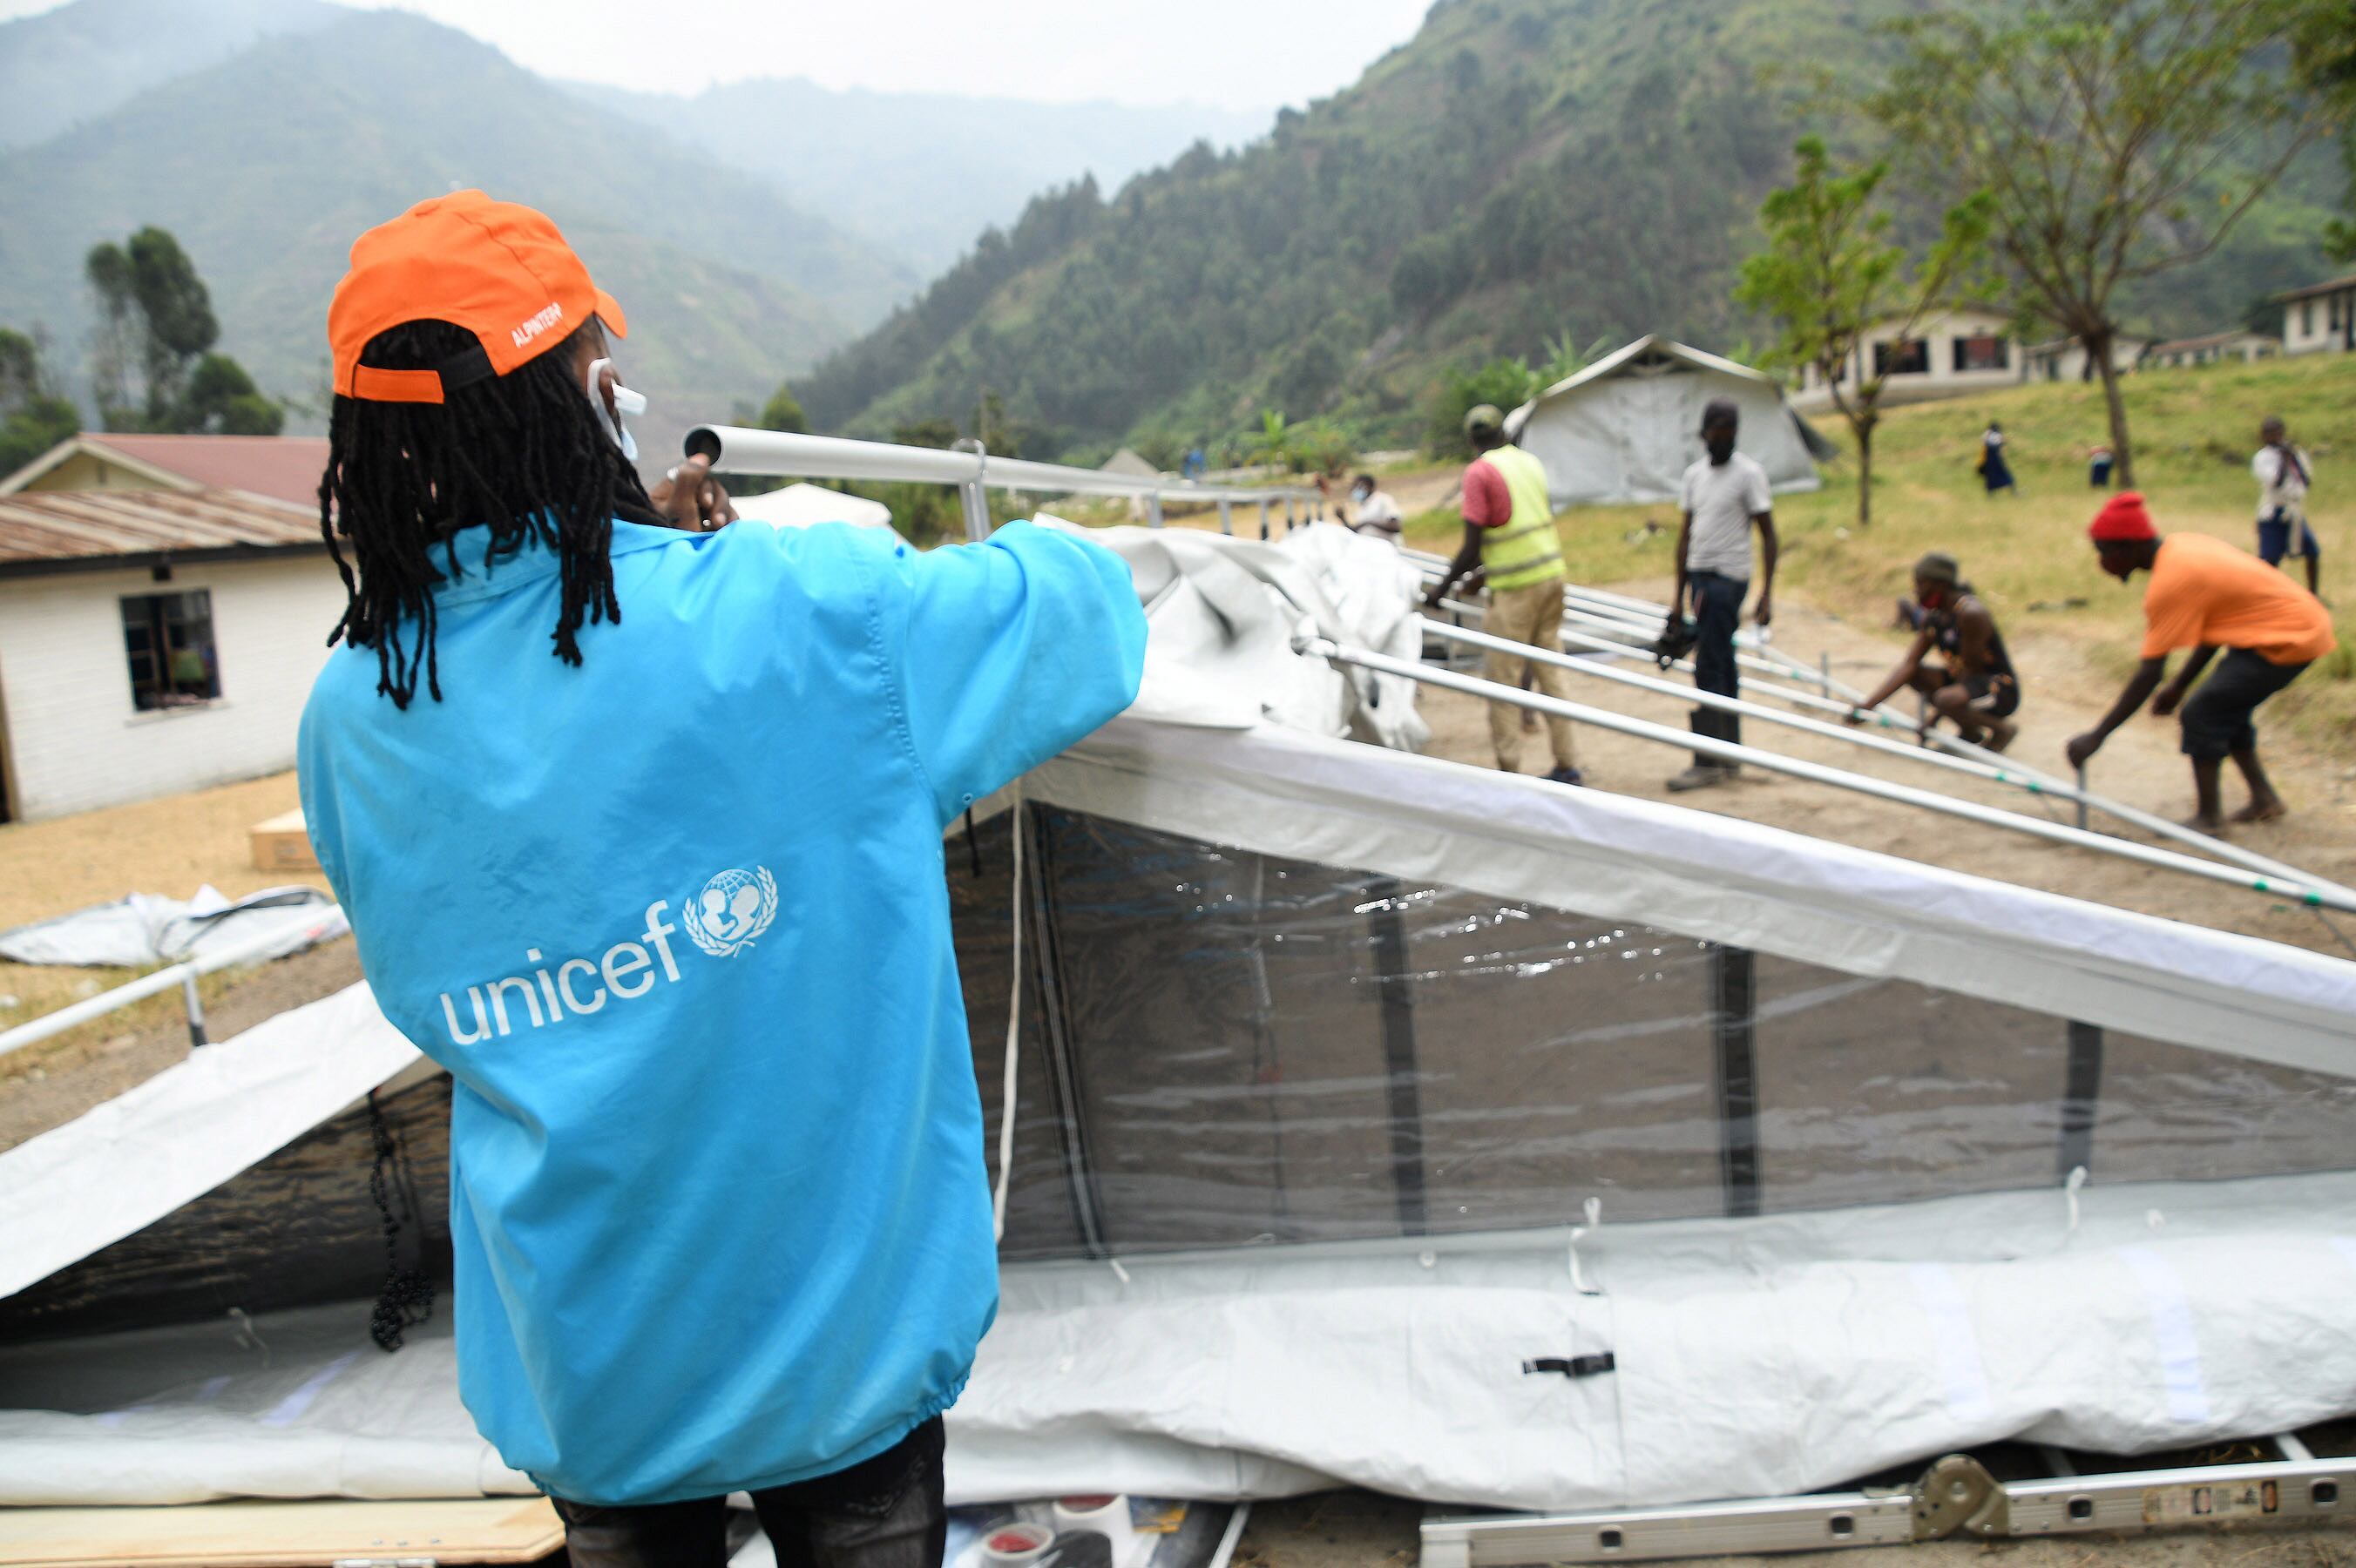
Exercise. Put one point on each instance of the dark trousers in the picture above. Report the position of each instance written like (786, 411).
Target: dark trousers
(1718, 610)
(884, 1512)
(2217, 717)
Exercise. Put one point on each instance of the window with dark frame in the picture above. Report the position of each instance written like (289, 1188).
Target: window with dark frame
(168, 641)
(1905, 356)
(1984, 351)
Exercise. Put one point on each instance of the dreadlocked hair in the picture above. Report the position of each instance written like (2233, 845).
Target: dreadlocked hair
(521, 452)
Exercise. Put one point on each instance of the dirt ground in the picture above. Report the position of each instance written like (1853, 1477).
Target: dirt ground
(1363, 1530)
(58, 1080)
(2064, 694)
(169, 847)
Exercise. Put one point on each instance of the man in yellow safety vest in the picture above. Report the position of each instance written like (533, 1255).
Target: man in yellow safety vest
(1509, 535)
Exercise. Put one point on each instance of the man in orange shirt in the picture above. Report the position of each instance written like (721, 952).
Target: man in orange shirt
(2206, 595)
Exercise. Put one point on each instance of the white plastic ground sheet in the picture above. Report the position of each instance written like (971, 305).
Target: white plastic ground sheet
(143, 929)
(1753, 1356)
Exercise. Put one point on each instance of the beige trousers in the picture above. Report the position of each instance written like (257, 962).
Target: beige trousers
(1532, 616)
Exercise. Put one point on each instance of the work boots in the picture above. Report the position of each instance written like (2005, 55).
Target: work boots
(1706, 772)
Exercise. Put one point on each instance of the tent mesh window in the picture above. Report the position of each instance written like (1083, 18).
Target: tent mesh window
(1225, 1048)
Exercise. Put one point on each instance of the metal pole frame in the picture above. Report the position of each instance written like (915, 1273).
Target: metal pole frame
(183, 974)
(2081, 1093)
(1817, 773)
(1399, 1071)
(1063, 1067)
(1978, 764)
(1955, 1496)
(1734, 1014)
(1995, 772)
(775, 453)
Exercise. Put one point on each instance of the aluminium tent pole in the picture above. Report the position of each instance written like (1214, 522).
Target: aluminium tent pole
(2030, 778)
(184, 973)
(1994, 771)
(1817, 773)
(1762, 688)
(1646, 609)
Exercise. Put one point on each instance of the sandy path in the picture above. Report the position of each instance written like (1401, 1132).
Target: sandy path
(2139, 766)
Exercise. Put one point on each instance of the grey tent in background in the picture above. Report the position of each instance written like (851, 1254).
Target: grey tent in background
(1625, 428)
(1129, 463)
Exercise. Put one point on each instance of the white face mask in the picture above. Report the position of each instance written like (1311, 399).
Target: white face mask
(625, 401)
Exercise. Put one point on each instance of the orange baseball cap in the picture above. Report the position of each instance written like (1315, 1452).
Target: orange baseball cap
(498, 270)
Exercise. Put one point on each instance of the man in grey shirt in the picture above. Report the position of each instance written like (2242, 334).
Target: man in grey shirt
(1725, 498)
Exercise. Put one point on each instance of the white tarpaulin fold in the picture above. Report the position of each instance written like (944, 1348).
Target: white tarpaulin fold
(144, 1153)
(1222, 614)
(143, 930)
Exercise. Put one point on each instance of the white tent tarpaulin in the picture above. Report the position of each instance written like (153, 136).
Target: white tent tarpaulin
(806, 505)
(1753, 1355)
(1628, 426)
(1221, 615)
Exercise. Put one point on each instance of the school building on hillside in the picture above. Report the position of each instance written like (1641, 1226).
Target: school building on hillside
(1949, 353)
(2319, 318)
(2216, 348)
(163, 611)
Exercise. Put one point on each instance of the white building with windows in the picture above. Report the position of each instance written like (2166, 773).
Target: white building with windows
(153, 642)
(1949, 353)
(2066, 360)
(2215, 348)
(2321, 318)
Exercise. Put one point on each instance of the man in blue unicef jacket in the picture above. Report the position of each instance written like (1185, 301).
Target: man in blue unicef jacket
(639, 821)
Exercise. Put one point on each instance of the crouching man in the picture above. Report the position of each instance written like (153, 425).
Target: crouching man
(1975, 684)
(637, 819)
(2205, 596)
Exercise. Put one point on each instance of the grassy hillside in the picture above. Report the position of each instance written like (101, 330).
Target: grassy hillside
(268, 165)
(2195, 430)
(1521, 169)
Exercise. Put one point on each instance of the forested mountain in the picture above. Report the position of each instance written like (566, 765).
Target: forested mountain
(67, 66)
(921, 174)
(267, 167)
(1521, 170)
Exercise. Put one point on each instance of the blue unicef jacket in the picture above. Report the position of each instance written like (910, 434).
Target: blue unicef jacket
(676, 922)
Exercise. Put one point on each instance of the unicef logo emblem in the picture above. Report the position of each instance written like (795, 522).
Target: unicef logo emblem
(733, 908)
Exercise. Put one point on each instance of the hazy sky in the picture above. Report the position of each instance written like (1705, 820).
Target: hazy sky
(1239, 54)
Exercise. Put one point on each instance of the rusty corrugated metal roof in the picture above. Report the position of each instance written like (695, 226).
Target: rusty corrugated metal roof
(282, 467)
(96, 524)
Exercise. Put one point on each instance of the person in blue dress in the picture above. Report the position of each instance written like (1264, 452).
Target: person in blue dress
(1994, 472)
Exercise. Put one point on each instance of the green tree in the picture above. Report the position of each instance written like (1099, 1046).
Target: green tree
(1565, 358)
(2326, 55)
(33, 417)
(1271, 443)
(2117, 139)
(784, 411)
(936, 431)
(1507, 383)
(155, 316)
(1830, 272)
(221, 399)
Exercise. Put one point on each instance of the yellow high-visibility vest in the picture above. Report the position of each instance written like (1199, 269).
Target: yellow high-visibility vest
(1525, 548)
